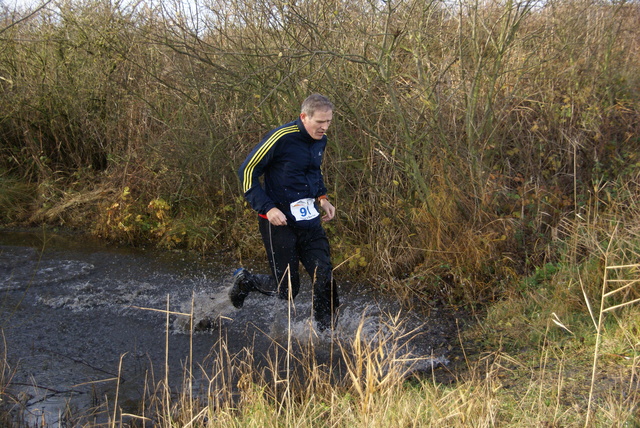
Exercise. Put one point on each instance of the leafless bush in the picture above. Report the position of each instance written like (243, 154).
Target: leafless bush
(454, 120)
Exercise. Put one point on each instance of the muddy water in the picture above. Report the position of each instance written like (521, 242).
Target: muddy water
(77, 314)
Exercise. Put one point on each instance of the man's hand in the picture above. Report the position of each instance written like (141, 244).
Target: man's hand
(276, 217)
(329, 210)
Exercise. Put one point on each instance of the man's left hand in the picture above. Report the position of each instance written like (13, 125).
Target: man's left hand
(329, 209)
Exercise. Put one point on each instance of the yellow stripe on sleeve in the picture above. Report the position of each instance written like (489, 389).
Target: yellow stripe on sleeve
(260, 154)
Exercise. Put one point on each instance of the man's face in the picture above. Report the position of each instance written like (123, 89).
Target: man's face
(317, 124)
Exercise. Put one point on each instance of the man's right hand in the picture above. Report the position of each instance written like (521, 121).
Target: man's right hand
(276, 217)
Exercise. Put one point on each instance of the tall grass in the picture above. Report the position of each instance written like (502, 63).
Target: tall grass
(16, 196)
(371, 383)
(465, 132)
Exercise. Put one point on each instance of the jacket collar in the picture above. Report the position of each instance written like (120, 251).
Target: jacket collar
(304, 132)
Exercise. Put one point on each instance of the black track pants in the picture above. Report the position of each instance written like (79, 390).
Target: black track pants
(286, 247)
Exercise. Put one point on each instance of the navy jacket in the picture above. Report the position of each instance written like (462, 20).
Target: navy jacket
(289, 159)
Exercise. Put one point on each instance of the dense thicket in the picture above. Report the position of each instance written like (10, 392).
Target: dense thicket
(467, 134)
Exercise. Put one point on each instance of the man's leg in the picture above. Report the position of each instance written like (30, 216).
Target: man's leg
(315, 255)
(280, 245)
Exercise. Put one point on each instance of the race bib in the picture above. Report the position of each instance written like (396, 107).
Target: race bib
(304, 209)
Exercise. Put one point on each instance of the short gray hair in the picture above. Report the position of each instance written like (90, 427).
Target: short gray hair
(316, 102)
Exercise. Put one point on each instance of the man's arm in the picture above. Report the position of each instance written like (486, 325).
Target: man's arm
(329, 209)
(276, 217)
(254, 165)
